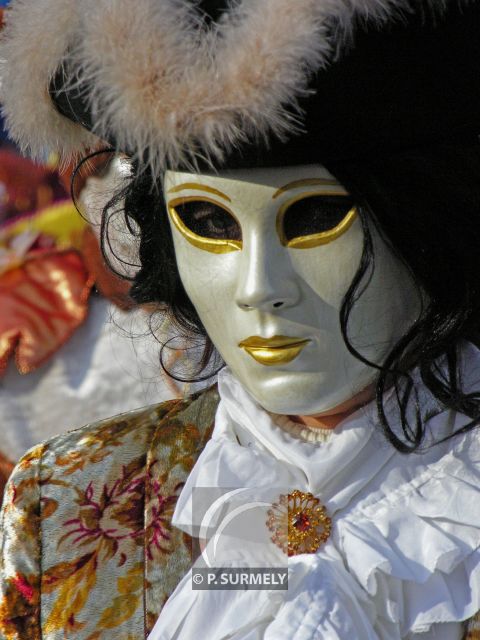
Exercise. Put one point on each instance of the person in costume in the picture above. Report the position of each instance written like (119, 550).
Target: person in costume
(67, 353)
(305, 195)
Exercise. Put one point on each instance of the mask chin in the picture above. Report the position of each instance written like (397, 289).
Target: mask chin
(308, 394)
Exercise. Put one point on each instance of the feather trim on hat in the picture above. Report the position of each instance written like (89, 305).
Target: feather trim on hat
(34, 42)
(161, 84)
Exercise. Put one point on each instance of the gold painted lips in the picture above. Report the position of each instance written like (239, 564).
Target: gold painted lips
(273, 351)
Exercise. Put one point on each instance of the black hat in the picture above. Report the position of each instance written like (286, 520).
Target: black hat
(265, 82)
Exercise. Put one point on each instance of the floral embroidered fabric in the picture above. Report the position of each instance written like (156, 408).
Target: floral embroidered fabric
(88, 550)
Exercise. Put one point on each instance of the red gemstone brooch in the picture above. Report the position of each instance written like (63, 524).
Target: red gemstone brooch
(308, 524)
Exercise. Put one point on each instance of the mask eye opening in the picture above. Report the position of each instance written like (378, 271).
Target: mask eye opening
(312, 240)
(212, 245)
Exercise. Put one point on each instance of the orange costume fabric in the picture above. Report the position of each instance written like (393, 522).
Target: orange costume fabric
(43, 303)
(49, 262)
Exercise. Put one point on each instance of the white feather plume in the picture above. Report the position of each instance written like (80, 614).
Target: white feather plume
(165, 87)
(34, 41)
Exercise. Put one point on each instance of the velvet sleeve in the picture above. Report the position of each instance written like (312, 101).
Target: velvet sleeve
(20, 561)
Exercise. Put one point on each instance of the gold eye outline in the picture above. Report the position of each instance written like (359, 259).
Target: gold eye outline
(314, 239)
(213, 245)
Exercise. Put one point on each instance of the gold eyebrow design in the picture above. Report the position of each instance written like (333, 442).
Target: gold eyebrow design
(329, 182)
(199, 187)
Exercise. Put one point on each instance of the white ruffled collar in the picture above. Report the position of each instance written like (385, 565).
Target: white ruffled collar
(403, 556)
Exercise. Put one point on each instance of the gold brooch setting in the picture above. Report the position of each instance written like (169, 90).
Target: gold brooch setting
(308, 524)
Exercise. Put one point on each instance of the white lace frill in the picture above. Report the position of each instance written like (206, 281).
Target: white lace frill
(403, 558)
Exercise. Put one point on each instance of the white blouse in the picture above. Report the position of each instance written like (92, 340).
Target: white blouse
(402, 560)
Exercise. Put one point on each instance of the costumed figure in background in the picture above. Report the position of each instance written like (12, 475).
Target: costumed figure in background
(305, 193)
(25, 188)
(66, 319)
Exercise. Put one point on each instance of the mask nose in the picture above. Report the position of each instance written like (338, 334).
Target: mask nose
(267, 280)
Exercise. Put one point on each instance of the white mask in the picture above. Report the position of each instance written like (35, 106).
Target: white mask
(269, 296)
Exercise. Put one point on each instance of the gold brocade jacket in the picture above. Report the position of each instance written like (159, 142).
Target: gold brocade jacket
(88, 551)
